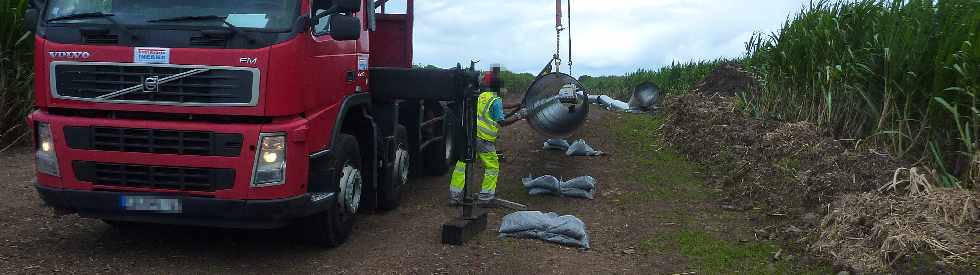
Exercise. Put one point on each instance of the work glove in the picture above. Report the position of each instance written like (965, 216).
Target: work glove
(520, 115)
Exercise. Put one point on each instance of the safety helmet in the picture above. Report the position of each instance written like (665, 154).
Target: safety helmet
(487, 79)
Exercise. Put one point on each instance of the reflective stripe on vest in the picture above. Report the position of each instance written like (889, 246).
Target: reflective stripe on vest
(486, 127)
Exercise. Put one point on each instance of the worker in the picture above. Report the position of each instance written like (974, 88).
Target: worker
(490, 116)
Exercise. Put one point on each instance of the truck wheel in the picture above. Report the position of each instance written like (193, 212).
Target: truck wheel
(440, 156)
(332, 227)
(396, 173)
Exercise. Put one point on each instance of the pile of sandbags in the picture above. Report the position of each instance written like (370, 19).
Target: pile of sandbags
(577, 148)
(580, 187)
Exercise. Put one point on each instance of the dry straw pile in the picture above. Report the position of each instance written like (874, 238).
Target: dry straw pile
(870, 232)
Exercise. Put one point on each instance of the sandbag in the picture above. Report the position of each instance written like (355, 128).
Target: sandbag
(556, 144)
(580, 187)
(565, 230)
(580, 148)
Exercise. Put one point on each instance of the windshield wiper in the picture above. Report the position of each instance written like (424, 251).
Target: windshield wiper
(85, 15)
(223, 19)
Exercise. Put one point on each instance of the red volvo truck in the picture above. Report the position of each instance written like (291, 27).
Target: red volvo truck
(235, 113)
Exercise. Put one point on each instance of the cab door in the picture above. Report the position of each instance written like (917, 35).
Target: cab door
(334, 68)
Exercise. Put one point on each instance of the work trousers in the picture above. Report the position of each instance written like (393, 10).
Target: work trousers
(487, 153)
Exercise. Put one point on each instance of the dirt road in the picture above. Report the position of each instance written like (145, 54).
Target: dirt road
(35, 240)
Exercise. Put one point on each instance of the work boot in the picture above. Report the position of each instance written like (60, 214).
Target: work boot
(455, 199)
(487, 200)
(487, 203)
(454, 203)
(487, 196)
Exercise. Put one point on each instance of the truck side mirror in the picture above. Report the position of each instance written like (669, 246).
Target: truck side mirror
(30, 19)
(345, 27)
(336, 6)
(347, 6)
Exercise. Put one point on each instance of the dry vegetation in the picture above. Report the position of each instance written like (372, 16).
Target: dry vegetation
(878, 214)
(864, 112)
(871, 232)
(769, 164)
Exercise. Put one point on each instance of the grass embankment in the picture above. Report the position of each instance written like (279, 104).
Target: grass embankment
(673, 79)
(16, 72)
(902, 74)
(670, 179)
(886, 79)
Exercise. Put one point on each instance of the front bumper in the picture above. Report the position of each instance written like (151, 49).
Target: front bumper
(196, 211)
(226, 186)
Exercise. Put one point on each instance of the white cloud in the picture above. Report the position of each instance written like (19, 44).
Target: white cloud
(609, 37)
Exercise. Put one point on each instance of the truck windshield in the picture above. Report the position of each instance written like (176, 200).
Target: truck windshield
(272, 15)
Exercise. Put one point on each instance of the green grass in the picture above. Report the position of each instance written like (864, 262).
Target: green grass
(16, 72)
(709, 254)
(902, 74)
(675, 78)
(667, 177)
(671, 177)
(516, 82)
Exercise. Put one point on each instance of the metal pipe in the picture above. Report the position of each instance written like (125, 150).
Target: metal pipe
(645, 97)
(556, 104)
(613, 104)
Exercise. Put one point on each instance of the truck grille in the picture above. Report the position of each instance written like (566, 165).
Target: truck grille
(154, 177)
(218, 86)
(154, 141)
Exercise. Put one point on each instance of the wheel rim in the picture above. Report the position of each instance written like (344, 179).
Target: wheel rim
(350, 188)
(402, 163)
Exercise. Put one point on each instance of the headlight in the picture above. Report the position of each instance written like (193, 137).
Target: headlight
(47, 160)
(270, 160)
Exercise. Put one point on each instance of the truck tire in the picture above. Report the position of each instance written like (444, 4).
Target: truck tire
(332, 227)
(395, 175)
(441, 155)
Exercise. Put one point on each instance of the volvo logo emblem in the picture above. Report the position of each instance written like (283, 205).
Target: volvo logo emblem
(151, 84)
(70, 55)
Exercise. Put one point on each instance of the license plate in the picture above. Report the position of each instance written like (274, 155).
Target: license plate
(151, 204)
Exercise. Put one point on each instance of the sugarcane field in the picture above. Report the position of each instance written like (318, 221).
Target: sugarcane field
(490, 137)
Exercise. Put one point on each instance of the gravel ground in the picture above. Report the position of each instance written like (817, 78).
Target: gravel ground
(36, 240)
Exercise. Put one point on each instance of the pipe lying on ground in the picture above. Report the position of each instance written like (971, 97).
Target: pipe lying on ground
(609, 103)
(644, 99)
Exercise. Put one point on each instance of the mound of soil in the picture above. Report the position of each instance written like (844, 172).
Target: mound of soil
(780, 167)
(727, 80)
(793, 171)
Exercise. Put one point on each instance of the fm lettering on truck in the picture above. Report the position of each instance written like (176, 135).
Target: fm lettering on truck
(248, 60)
(151, 55)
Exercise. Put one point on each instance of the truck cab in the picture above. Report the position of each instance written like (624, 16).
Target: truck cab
(242, 114)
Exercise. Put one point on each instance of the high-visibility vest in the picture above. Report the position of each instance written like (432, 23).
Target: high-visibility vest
(486, 127)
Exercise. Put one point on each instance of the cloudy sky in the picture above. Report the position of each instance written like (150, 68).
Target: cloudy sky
(609, 36)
